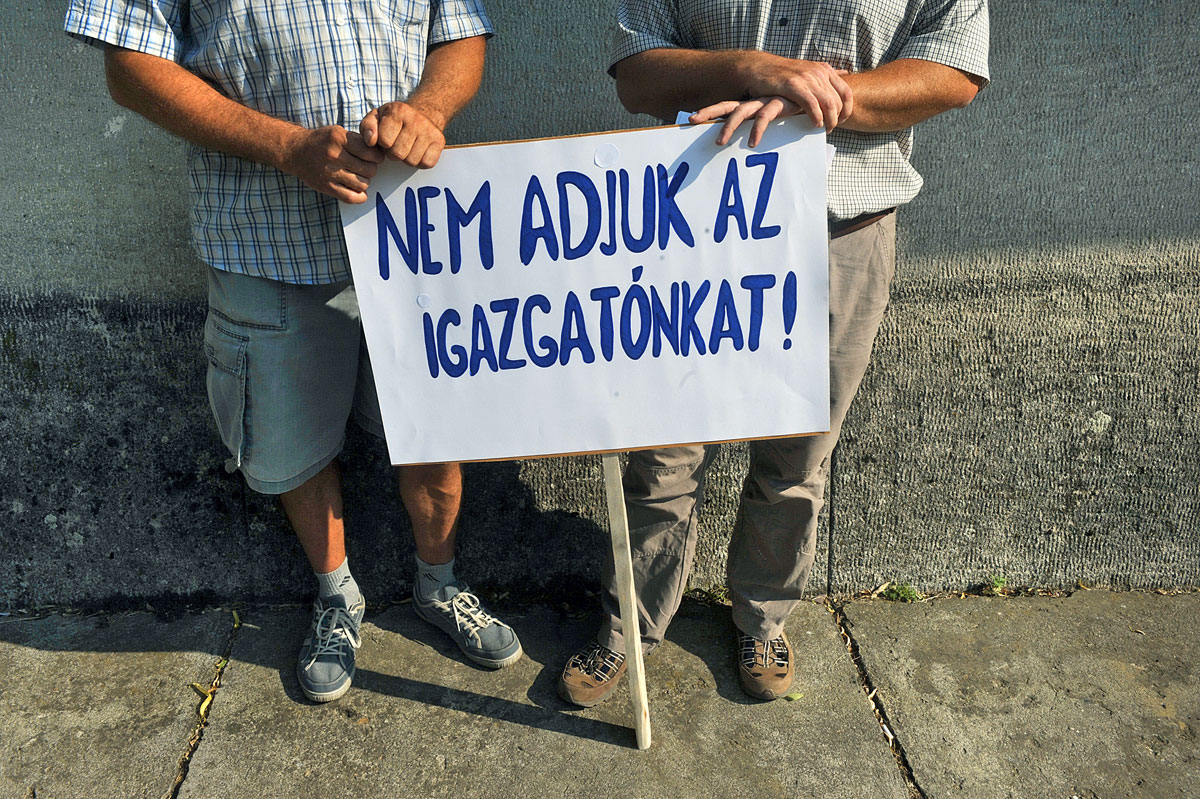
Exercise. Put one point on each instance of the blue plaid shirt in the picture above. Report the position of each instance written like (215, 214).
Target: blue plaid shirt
(311, 62)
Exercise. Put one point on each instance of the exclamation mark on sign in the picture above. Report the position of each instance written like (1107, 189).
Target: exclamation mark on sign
(789, 308)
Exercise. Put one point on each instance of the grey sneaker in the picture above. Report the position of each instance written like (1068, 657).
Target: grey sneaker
(482, 637)
(326, 664)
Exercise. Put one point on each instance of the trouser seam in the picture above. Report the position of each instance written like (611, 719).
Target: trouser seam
(692, 531)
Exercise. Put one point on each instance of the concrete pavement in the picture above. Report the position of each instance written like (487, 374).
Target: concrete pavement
(1089, 695)
(1096, 695)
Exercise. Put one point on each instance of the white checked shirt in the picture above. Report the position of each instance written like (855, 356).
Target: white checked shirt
(871, 171)
(311, 62)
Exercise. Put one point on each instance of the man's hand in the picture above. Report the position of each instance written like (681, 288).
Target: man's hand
(405, 134)
(800, 87)
(815, 87)
(763, 110)
(333, 161)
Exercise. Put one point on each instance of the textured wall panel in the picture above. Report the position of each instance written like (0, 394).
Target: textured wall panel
(1031, 418)
(1030, 410)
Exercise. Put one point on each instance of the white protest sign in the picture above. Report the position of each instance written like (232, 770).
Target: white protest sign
(589, 293)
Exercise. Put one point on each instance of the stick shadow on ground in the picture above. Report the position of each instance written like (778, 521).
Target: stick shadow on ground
(533, 716)
(546, 647)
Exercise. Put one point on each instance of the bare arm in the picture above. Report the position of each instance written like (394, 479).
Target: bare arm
(413, 131)
(907, 91)
(453, 72)
(329, 159)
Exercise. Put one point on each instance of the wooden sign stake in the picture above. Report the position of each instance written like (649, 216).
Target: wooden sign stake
(618, 527)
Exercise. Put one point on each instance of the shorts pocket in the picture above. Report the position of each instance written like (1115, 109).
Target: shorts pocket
(226, 353)
(244, 301)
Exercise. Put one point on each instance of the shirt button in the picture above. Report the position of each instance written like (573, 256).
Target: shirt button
(340, 20)
(351, 83)
(783, 21)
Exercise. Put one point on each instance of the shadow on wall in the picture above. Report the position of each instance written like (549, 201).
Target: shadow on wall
(506, 539)
(114, 481)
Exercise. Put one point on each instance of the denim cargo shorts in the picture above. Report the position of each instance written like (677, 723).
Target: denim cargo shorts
(287, 366)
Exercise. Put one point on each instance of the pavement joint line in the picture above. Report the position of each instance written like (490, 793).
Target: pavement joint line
(203, 708)
(832, 520)
(906, 771)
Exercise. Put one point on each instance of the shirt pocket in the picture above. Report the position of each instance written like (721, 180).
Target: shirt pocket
(722, 25)
(400, 13)
(856, 35)
(262, 54)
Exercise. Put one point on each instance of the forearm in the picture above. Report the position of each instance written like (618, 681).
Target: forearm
(184, 104)
(328, 160)
(902, 93)
(665, 81)
(452, 75)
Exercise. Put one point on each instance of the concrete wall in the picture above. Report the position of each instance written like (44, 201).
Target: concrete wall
(1030, 410)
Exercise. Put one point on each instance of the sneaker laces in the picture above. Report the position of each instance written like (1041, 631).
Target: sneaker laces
(598, 661)
(761, 653)
(470, 616)
(333, 630)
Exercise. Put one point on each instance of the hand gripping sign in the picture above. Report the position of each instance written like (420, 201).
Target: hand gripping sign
(597, 293)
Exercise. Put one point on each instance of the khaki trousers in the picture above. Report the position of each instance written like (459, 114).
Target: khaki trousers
(774, 538)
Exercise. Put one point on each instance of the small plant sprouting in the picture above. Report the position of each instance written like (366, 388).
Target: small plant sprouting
(997, 585)
(901, 592)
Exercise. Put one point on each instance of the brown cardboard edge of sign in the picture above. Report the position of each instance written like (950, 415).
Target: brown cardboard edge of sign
(607, 451)
(581, 136)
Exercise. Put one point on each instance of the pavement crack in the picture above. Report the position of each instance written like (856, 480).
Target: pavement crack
(203, 708)
(872, 692)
